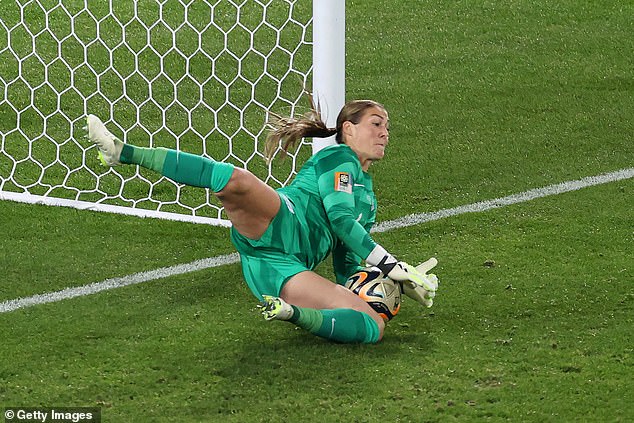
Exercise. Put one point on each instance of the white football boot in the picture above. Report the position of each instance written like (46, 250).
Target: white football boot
(109, 146)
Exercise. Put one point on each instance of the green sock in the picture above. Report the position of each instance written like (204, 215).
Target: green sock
(149, 158)
(341, 324)
(181, 167)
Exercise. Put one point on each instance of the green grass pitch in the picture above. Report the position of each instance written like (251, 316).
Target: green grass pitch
(533, 320)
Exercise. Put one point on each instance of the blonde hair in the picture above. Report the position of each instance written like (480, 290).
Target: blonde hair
(287, 131)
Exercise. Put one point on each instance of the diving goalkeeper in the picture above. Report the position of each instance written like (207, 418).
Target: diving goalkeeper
(282, 235)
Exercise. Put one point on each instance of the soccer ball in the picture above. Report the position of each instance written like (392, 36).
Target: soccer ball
(383, 294)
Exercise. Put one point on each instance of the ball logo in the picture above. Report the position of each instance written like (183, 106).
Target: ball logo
(358, 278)
(381, 293)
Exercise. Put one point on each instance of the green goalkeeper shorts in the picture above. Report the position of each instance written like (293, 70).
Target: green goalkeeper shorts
(285, 249)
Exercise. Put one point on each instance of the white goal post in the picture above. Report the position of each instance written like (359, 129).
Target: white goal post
(198, 76)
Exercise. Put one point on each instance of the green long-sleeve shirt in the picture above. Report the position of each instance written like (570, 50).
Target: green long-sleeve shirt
(336, 196)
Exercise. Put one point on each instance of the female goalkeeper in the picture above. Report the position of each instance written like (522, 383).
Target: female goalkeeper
(283, 234)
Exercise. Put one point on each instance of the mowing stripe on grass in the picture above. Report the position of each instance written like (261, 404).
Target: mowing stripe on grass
(413, 219)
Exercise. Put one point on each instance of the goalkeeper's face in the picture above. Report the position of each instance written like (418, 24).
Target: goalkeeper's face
(369, 137)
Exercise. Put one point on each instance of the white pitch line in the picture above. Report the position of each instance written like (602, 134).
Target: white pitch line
(415, 219)
(410, 220)
(133, 279)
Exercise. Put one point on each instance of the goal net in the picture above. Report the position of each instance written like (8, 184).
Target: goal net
(197, 76)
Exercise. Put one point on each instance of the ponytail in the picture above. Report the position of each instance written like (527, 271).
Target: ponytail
(287, 131)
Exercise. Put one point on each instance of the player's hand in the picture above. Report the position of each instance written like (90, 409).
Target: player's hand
(425, 267)
(403, 272)
(416, 283)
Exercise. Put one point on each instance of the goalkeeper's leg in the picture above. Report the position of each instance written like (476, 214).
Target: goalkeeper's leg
(343, 325)
(325, 309)
(250, 203)
(181, 167)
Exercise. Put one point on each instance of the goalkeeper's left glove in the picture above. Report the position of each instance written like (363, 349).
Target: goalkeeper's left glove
(414, 283)
(418, 292)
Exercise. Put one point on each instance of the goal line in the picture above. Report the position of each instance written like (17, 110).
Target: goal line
(195, 76)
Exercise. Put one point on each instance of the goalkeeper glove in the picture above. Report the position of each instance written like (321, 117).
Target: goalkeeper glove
(415, 283)
(418, 292)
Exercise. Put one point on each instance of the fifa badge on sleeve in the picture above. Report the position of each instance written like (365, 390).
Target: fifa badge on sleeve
(343, 182)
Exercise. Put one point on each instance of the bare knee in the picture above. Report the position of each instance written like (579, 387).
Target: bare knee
(240, 183)
(249, 203)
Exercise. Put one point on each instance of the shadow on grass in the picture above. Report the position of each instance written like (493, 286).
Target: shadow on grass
(288, 365)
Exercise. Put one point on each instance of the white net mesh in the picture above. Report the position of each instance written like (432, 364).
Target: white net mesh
(198, 76)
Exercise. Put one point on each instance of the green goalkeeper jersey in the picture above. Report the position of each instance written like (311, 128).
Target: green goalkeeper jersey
(336, 198)
(328, 208)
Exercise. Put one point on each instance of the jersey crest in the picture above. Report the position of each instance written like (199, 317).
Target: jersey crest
(343, 182)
